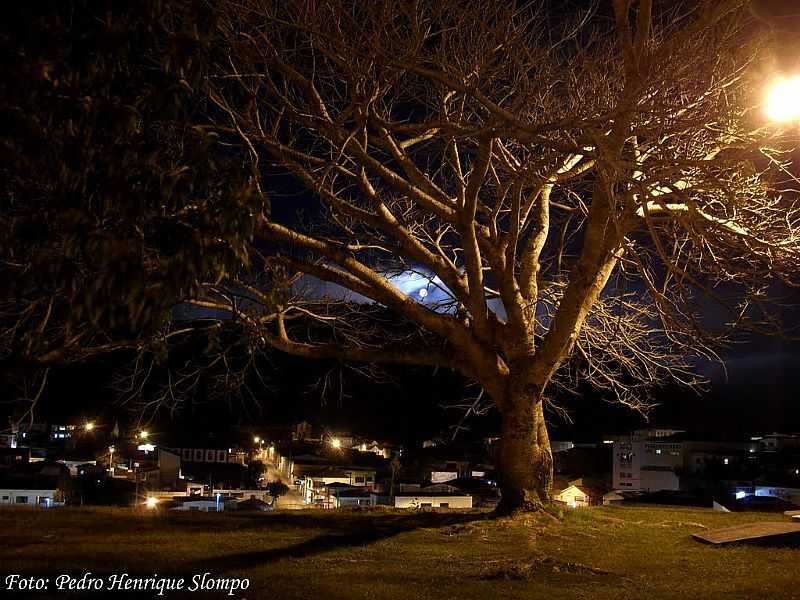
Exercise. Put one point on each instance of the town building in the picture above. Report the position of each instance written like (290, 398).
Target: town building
(35, 485)
(211, 455)
(577, 494)
(44, 494)
(484, 493)
(422, 500)
(201, 504)
(315, 479)
(661, 460)
(648, 460)
(352, 497)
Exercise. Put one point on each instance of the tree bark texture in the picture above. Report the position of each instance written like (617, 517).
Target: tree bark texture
(525, 459)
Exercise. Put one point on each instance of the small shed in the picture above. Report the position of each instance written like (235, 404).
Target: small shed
(580, 495)
(613, 497)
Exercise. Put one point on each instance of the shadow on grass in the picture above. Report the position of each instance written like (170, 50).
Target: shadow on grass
(344, 531)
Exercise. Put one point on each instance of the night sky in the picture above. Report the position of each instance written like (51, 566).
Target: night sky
(757, 394)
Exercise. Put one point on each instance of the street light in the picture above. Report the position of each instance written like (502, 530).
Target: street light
(111, 460)
(336, 442)
(143, 434)
(783, 99)
(151, 502)
(89, 426)
(256, 440)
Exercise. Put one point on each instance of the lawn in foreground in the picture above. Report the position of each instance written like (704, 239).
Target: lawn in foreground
(591, 553)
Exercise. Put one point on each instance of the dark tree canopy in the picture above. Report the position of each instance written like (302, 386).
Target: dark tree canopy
(114, 206)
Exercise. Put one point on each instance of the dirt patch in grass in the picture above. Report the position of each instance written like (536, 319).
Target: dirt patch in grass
(526, 570)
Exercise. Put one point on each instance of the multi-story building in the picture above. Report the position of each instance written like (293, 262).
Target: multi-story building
(648, 460)
(211, 455)
(61, 433)
(664, 459)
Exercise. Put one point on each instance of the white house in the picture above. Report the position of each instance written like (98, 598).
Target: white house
(31, 497)
(416, 500)
(443, 476)
(204, 504)
(43, 489)
(315, 479)
(352, 497)
(561, 446)
(375, 447)
(579, 495)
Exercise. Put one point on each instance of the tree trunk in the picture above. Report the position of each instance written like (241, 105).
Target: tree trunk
(525, 460)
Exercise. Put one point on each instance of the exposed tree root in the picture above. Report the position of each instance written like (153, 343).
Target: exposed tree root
(523, 570)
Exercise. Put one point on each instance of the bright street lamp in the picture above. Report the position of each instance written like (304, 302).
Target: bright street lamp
(89, 426)
(336, 442)
(256, 440)
(783, 99)
(151, 502)
(143, 434)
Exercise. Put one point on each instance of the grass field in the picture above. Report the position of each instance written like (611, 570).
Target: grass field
(615, 553)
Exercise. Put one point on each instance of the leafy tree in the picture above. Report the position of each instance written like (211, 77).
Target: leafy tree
(255, 471)
(113, 207)
(277, 489)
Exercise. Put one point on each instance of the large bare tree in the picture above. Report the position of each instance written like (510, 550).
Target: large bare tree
(574, 184)
(572, 189)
